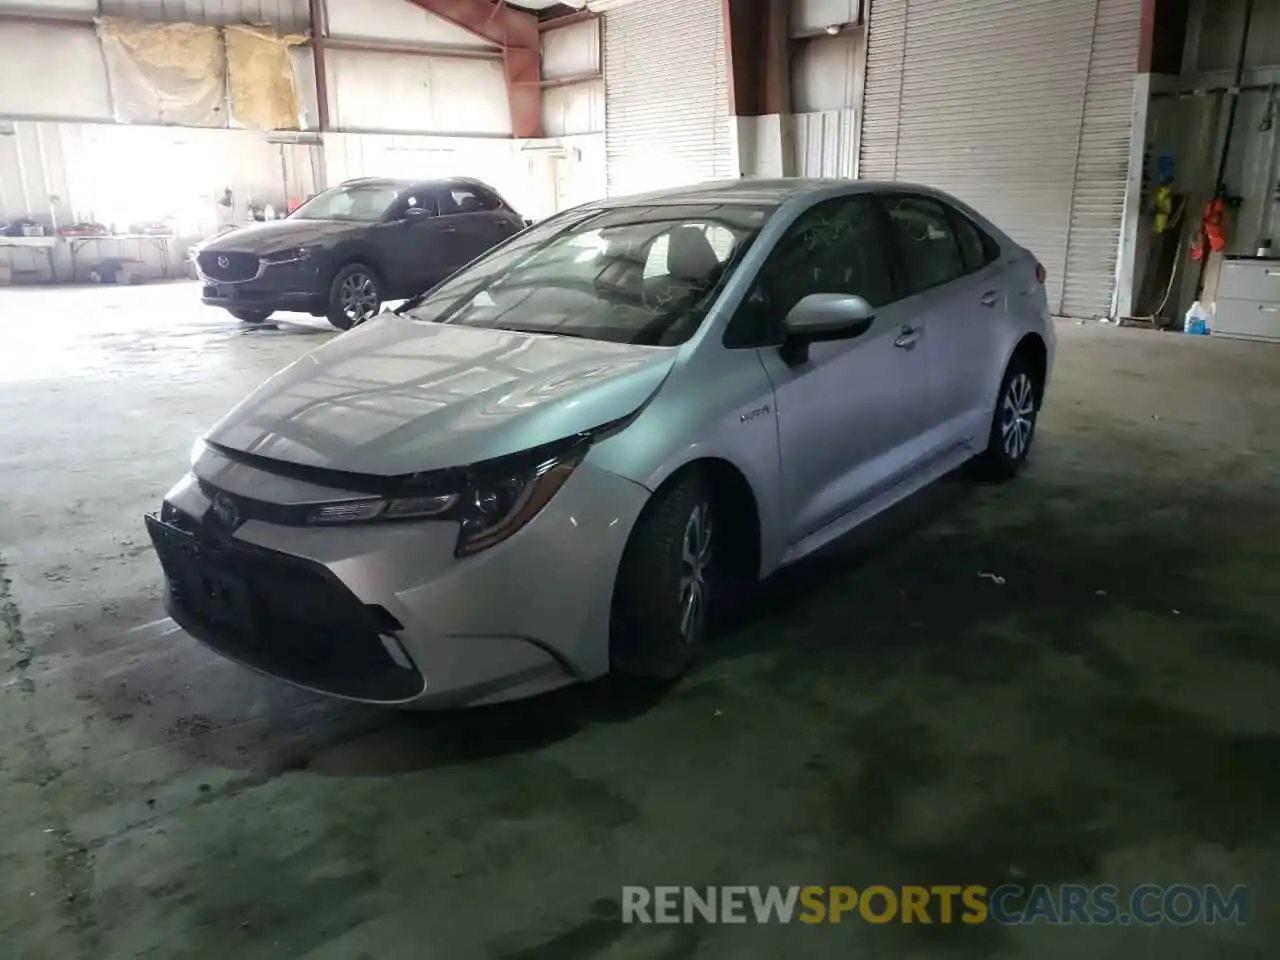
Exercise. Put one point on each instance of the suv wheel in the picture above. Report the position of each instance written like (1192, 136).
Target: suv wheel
(354, 296)
(666, 583)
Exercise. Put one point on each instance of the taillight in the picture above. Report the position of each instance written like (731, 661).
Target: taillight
(1040, 274)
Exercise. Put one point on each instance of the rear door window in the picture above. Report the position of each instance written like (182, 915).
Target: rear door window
(466, 199)
(976, 247)
(926, 240)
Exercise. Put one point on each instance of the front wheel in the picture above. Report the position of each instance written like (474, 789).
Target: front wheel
(666, 580)
(354, 296)
(1013, 425)
(251, 316)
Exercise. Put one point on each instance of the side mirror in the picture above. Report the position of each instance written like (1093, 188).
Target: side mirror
(415, 213)
(821, 317)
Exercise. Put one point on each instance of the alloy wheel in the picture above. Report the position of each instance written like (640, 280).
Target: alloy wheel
(695, 562)
(358, 297)
(1018, 416)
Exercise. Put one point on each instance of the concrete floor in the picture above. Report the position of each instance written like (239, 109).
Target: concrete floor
(1108, 713)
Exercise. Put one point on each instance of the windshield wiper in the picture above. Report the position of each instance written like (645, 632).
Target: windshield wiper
(415, 301)
(554, 332)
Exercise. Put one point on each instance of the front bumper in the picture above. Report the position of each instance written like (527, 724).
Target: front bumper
(384, 613)
(294, 286)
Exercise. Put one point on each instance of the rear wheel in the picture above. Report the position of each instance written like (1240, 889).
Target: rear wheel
(251, 316)
(354, 296)
(666, 581)
(1014, 423)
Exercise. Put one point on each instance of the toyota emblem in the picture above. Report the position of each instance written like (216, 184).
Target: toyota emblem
(225, 509)
(223, 262)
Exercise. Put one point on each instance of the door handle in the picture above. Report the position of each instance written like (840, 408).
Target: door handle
(907, 339)
(990, 298)
(448, 228)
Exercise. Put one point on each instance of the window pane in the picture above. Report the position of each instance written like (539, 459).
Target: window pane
(835, 247)
(466, 200)
(928, 245)
(972, 244)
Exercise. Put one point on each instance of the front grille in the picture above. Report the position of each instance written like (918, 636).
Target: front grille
(283, 615)
(228, 266)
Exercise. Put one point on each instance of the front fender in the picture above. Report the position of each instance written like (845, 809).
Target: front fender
(715, 407)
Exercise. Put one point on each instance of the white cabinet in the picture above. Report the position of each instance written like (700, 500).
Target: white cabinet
(1248, 304)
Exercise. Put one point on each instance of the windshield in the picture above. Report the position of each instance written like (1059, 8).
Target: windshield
(631, 275)
(360, 202)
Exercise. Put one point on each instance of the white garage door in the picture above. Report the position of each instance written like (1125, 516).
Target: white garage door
(1021, 109)
(666, 95)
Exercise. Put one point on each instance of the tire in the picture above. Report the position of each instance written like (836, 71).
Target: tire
(354, 296)
(251, 316)
(1013, 424)
(656, 630)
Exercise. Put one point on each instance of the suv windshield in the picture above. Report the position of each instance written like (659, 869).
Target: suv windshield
(360, 202)
(631, 275)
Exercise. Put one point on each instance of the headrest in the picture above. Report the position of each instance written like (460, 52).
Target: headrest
(690, 255)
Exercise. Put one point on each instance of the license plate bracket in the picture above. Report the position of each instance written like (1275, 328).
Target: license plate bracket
(211, 593)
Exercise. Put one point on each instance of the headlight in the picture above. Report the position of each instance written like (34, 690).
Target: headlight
(291, 256)
(488, 506)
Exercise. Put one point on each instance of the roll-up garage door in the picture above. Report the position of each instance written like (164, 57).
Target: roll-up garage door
(666, 95)
(1021, 109)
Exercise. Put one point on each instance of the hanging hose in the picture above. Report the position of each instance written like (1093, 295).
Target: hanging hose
(1174, 219)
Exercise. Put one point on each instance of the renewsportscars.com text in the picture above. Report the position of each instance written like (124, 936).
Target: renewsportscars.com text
(1065, 904)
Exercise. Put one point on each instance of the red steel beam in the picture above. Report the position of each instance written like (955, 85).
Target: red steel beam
(516, 33)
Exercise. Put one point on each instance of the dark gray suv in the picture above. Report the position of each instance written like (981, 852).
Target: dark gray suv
(346, 250)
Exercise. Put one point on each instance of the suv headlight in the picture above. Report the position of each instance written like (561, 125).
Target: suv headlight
(489, 505)
(291, 256)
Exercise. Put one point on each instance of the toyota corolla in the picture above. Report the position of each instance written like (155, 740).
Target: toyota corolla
(546, 468)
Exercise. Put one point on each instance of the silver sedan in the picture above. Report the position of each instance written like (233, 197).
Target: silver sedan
(544, 468)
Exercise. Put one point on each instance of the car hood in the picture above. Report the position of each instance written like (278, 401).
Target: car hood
(396, 396)
(276, 235)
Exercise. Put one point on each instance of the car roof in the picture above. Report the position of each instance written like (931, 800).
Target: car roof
(397, 183)
(769, 192)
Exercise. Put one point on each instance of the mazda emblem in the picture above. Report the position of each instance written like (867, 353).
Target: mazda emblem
(223, 262)
(225, 509)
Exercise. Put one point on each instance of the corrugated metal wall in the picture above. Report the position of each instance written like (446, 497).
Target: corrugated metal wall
(140, 173)
(826, 143)
(68, 62)
(1102, 162)
(810, 17)
(33, 172)
(826, 90)
(1015, 108)
(826, 73)
(666, 95)
(497, 161)
(398, 20)
(60, 173)
(574, 109)
(571, 51)
(381, 92)
(287, 16)
(1219, 43)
